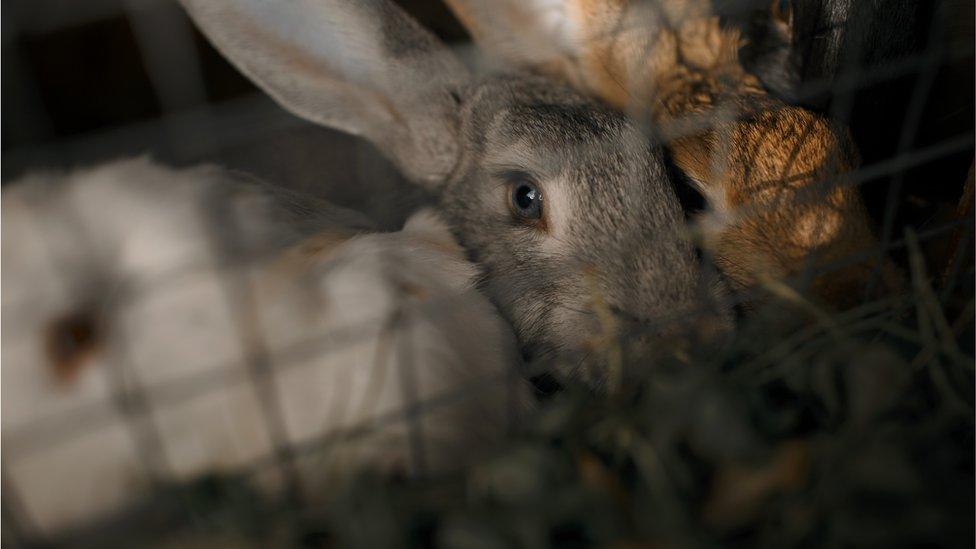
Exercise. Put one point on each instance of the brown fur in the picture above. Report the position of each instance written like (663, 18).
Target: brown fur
(298, 258)
(773, 173)
(70, 342)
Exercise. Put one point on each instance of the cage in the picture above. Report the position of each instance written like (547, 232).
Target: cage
(799, 424)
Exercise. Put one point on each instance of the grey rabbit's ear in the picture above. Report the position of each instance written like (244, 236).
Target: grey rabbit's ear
(360, 66)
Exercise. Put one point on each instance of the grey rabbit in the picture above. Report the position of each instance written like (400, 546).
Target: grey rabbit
(564, 203)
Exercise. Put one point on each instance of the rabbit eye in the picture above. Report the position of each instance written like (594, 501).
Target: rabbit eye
(526, 199)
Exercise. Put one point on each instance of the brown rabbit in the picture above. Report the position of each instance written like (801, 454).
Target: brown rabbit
(772, 173)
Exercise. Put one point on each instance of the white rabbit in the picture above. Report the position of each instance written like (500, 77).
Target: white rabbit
(159, 324)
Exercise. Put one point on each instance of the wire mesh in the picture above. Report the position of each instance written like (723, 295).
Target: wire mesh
(75, 94)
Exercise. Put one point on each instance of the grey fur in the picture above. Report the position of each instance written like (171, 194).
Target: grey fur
(626, 228)
(616, 235)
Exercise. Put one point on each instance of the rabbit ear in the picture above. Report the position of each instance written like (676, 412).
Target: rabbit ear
(528, 33)
(608, 47)
(576, 40)
(361, 66)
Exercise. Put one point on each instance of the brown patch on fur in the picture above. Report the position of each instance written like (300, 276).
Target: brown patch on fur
(295, 261)
(286, 274)
(71, 342)
(452, 248)
(314, 249)
(413, 290)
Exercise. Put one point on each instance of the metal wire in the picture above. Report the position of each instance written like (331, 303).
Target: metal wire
(192, 128)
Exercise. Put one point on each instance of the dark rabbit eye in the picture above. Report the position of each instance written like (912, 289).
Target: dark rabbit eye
(526, 199)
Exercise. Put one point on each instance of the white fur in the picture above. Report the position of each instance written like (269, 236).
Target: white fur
(131, 240)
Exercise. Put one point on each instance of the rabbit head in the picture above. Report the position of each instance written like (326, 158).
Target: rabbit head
(774, 175)
(563, 203)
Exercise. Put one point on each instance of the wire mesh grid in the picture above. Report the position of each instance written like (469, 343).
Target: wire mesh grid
(913, 177)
